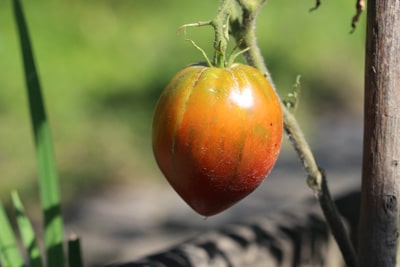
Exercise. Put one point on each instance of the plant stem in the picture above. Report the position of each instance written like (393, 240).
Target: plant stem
(360, 5)
(244, 32)
(243, 29)
(221, 28)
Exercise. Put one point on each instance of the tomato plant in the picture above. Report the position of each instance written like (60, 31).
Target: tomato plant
(217, 133)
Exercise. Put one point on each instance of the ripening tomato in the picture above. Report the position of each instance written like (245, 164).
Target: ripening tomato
(217, 133)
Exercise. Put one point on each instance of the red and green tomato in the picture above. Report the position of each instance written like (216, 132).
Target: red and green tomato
(217, 133)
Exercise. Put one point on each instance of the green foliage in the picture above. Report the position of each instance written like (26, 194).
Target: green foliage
(48, 177)
(27, 233)
(74, 252)
(10, 256)
(104, 63)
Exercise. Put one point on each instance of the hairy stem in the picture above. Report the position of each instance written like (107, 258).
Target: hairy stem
(221, 29)
(243, 29)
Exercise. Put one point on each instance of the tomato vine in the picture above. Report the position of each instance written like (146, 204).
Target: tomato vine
(238, 19)
(242, 27)
(244, 31)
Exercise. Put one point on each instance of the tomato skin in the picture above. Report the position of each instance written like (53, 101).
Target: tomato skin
(217, 133)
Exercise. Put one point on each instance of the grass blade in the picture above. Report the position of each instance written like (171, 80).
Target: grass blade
(27, 232)
(74, 252)
(49, 184)
(10, 255)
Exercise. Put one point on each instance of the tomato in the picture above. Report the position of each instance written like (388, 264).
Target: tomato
(217, 133)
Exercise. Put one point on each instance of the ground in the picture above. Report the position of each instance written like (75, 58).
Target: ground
(130, 221)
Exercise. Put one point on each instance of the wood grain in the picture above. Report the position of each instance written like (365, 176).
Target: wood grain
(378, 231)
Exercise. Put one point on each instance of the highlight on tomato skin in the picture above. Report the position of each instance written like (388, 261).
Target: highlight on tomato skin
(217, 133)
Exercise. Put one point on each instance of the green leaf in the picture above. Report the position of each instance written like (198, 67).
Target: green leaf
(27, 232)
(10, 256)
(74, 252)
(49, 184)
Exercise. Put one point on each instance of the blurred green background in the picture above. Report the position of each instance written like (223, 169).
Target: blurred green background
(103, 63)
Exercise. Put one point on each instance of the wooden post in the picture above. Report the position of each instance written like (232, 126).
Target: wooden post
(380, 199)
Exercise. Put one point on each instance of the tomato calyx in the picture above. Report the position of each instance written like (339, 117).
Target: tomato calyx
(226, 63)
(232, 57)
(221, 28)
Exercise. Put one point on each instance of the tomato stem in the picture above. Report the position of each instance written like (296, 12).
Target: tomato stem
(221, 29)
(243, 29)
